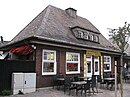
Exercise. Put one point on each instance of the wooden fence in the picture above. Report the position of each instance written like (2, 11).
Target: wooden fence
(7, 67)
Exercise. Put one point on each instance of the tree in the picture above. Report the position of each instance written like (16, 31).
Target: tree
(121, 38)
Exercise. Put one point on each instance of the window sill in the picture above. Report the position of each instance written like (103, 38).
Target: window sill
(72, 72)
(48, 73)
(107, 70)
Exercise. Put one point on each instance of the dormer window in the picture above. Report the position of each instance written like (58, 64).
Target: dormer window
(95, 38)
(85, 34)
(90, 37)
(80, 34)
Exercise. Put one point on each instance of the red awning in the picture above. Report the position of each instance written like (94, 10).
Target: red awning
(24, 50)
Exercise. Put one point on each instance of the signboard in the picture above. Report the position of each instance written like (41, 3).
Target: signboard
(93, 52)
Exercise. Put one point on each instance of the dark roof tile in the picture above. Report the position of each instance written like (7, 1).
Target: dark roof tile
(55, 23)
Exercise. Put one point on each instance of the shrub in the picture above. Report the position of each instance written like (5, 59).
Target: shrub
(6, 93)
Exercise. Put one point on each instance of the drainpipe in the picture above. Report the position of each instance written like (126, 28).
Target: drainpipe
(1, 37)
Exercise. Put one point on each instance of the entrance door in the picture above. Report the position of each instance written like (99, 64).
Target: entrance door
(96, 65)
(89, 66)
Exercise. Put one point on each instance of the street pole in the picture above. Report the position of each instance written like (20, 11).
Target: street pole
(115, 78)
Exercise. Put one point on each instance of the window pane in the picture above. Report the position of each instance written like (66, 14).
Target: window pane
(107, 66)
(105, 59)
(48, 67)
(80, 34)
(48, 55)
(72, 67)
(88, 56)
(108, 59)
(95, 38)
(85, 35)
(45, 55)
(95, 57)
(89, 66)
(96, 66)
(75, 57)
(71, 57)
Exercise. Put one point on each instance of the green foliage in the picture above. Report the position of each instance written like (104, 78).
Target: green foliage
(6, 92)
(121, 36)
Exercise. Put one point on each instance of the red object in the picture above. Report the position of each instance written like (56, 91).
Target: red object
(70, 64)
(24, 50)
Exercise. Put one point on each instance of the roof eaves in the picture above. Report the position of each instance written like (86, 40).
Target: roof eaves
(83, 29)
(76, 44)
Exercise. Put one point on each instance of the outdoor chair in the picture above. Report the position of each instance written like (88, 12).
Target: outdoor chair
(94, 84)
(60, 83)
(86, 87)
(75, 78)
(55, 82)
(100, 81)
(60, 75)
(68, 85)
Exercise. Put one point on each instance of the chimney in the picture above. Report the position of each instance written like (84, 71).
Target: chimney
(2, 41)
(71, 12)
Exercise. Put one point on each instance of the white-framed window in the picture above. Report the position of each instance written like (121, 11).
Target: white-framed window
(95, 38)
(72, 63)
(90, 37)
(85, 35)
(48, 62)
(107, 63)
(80, 34)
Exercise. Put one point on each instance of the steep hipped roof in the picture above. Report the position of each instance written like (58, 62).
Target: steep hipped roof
(54, 24)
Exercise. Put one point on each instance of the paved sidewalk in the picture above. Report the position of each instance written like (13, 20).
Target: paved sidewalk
(50, 92)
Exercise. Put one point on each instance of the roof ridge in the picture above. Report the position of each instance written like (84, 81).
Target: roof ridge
(45, 17)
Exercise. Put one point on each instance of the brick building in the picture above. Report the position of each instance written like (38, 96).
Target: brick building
(61, 42)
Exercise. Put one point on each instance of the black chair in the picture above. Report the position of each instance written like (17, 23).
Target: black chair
(68, 85)
(60, 83)
(86, 87)
(94, 83)
(60, 75)
(100, 81)
(75, 78)
(55, 82)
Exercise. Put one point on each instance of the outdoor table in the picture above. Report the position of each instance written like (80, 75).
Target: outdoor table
(127, 75)
(81, 78)
(60, 81)
(109, 81)
(79, 85)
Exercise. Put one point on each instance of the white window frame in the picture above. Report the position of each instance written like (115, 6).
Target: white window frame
(90, 37)
(54, 61)
(95, 38)
(107, 63)
(85, 36)
(80, 34)
(73, 72)
(96, 59)
(89, 59)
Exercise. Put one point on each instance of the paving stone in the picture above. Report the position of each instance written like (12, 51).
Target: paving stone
(50, 92)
